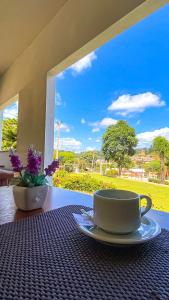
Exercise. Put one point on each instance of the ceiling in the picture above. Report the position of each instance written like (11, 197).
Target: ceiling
(20, 22)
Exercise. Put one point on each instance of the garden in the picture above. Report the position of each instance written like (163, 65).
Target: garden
(90, 182)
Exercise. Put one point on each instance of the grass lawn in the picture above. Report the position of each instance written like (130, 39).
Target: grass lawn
(159, 194)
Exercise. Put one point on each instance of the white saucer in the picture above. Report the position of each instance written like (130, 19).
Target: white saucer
(148, 230)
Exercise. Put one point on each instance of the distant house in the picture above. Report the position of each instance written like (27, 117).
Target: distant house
(134, 172)
(142, 157)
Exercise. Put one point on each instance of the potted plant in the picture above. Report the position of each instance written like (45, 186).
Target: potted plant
(31, 191)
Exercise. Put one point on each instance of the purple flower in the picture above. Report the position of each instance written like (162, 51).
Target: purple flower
(34, 162)
(50, 170)
(16, 163)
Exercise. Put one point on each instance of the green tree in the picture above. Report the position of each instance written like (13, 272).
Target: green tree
(167, 167)
(88, 159)
(119, 142)
(161, 146)
(9, 133)
(153, 166)
(67, 157)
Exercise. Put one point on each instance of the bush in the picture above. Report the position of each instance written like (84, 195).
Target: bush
(112, 173)
(79, 182)
(155, 180)
(61, 174)
(69, 168)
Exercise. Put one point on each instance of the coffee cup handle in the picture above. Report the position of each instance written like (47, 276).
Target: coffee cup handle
(144, 210)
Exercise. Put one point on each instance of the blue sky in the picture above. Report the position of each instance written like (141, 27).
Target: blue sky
(127, 78)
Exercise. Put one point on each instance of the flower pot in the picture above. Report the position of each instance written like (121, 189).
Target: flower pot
(30, 198)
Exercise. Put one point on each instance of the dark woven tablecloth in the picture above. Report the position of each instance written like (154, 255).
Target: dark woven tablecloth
(46, 257)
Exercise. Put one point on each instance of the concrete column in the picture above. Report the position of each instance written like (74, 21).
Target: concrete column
(1, 123)
(36, 118)
(49, 121)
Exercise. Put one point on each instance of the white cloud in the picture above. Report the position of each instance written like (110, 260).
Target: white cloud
(81, 65)
(58, 100)
(11, 111)
(70, 144)
(146, 138)
(105, 122)
(90, 149)
(127, 104)
(90, 139)
(60, 75)
(63, 126)
(83, 121)
(96, 129)
(98, 141)
(84, 63)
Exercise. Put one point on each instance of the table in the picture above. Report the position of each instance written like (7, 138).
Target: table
(58, 197)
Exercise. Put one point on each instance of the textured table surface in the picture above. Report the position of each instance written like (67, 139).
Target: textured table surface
(47, 258)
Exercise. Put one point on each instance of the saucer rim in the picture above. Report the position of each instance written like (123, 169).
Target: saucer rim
(127, 240)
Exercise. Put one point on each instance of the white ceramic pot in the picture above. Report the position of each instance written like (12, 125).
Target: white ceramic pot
(30, 198)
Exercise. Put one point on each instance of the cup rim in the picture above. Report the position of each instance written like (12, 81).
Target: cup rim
(114, 198)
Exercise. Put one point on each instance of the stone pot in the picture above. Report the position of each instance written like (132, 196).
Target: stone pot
(30, 198)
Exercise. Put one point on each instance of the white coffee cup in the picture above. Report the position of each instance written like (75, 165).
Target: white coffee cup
(119, 211)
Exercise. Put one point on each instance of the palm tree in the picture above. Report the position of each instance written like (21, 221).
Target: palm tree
(161, 146)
